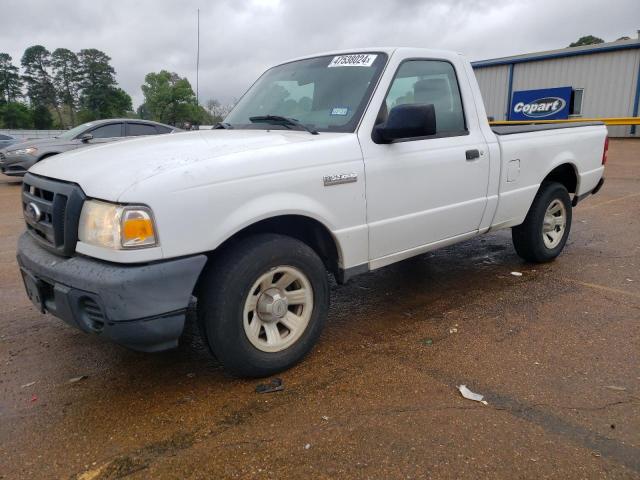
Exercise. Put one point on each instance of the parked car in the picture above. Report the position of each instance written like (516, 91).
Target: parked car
(19, 157)
(342, 162)
(7, 140)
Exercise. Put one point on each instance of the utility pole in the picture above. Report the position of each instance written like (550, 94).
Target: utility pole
(198, 62)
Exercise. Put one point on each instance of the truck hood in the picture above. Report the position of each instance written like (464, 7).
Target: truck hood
(106, 171)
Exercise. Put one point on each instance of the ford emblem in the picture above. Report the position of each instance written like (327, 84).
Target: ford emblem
(32, 212)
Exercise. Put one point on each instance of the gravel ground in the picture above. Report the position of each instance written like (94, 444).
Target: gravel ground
(556, 352)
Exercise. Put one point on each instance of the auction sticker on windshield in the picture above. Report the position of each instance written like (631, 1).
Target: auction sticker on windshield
(356, 60)
(340, 111)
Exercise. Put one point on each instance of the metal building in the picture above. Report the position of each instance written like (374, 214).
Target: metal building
(593, 81)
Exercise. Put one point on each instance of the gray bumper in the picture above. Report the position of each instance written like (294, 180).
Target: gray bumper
(17, 165)
(140, 306)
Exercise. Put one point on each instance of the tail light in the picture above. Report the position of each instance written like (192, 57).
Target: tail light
(605, 152)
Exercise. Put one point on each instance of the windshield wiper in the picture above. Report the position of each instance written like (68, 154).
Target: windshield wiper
(226, 126)
(278, 119)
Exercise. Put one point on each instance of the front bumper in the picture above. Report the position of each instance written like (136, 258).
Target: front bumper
(16, 166)
(142, 307)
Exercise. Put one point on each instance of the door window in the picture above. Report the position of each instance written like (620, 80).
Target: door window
(429, 82)
(107, 131)
(137, 129)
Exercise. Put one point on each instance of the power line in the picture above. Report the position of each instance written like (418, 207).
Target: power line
(198, 62)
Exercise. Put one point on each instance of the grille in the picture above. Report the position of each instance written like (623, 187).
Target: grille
(51, 210)
(2, 156)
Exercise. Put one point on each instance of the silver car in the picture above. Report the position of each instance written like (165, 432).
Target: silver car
(7, 140)
(16, 159)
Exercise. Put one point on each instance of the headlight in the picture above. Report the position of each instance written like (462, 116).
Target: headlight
(116, 226)
(23, 151)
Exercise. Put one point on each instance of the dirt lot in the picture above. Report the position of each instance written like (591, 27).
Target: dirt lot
(556, 352)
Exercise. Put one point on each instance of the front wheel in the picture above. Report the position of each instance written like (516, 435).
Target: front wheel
(262, 304)
(544, 232)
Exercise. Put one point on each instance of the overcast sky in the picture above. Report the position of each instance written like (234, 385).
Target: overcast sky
(240, 38)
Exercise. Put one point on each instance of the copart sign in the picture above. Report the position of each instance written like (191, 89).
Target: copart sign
(543, 104)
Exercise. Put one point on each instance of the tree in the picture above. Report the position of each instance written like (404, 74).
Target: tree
(100, 97)
(217, 110)
(66, 79)
(168, 98)
(143, 112)
(10, 81)
(623, 38)
(40, 89)
(586, 40)
(75, 86)
(203, 117)
(119, 102)
(42, 119)
(15, 115)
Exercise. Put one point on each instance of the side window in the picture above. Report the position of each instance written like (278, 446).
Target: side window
(162, 129)
(107, 131)
(137, 129)
(4, 137)
(430, 82)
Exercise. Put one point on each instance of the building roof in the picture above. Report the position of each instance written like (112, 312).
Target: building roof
(560, 53)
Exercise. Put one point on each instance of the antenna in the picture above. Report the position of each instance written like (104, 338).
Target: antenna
(198, 62)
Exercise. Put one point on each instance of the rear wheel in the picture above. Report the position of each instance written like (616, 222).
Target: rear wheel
(262, 304)
(544, 232)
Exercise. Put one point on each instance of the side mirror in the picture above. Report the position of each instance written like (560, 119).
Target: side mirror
(406, 121)
(85, 137)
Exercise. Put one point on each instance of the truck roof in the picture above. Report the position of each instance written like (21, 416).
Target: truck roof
(422, 52)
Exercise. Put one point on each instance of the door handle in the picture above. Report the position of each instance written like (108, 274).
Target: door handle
(472, 154)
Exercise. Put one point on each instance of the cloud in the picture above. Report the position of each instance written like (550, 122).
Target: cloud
(241, 38)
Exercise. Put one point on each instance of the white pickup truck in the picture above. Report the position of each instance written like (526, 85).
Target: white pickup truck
(342, 162)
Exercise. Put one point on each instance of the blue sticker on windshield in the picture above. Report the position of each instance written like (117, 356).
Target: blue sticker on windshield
(340, 111)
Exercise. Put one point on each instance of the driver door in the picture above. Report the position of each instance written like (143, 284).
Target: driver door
(422, 192)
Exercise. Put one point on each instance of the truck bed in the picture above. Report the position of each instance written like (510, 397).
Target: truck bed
(527, 158)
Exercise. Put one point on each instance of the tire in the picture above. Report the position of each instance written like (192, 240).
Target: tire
(232, 297)
(536, 241)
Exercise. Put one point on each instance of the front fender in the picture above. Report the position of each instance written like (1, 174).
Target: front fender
(201, 219)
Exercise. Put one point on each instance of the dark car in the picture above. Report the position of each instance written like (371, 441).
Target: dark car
(16, 159)
(7, 140)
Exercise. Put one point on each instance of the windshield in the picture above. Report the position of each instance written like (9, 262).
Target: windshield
(74, 132)
(327, 94)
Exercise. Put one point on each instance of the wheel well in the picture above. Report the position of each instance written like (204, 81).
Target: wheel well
(564, 174)
(302, 228)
